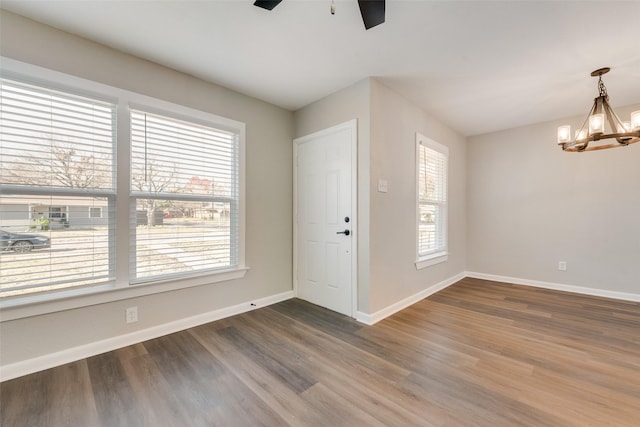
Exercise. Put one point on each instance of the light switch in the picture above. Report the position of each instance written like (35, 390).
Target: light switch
(383, 185)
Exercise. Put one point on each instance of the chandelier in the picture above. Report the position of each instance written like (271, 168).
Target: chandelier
(601, 125)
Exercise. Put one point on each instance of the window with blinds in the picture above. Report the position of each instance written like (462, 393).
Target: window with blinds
(184, 187)
(56, 167)
(432, 159)
(180, 210)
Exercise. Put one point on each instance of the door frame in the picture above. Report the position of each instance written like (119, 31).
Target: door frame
(351, 125)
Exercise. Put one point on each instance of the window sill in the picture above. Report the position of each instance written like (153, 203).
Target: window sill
(35, 305)
(432, 259)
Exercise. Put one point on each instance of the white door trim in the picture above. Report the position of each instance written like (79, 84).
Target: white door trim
(353, 126)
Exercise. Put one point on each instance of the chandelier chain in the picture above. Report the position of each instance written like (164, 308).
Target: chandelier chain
(602, 88)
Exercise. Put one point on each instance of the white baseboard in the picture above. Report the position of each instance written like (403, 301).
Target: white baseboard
(370, 319)
(47, 361)
(557, 286)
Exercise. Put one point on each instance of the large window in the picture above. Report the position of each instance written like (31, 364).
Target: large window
(56, 153)
(97, 195)
(431, 212)
(185, 188)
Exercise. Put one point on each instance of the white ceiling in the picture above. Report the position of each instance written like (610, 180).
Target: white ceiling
(478, 66)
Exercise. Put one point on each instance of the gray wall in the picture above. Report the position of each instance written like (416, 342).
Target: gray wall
(531, 205)
(269, 131)
(394, 123)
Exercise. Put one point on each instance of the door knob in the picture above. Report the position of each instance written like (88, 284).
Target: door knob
(345, 232)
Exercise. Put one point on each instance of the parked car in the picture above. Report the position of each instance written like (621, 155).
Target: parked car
(23, 242)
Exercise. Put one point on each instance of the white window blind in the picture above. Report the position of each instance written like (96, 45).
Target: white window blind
(56, 163)
(184, 180)
(432, 197)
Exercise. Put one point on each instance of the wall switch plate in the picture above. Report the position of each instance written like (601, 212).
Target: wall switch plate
(383, 186)
(562, 265)
(131, 314)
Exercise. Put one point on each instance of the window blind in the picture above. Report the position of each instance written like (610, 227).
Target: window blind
(56, 163)
(432, 199)
(184, 179)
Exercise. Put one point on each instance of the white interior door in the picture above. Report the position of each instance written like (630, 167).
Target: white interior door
(325, 214)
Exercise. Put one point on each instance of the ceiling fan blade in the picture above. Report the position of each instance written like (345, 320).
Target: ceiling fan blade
(266, 4)
(372, 12)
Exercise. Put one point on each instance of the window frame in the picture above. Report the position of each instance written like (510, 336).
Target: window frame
(122, 287)
(55, 212)
(99, 210)
(233, 200)
(441, 253)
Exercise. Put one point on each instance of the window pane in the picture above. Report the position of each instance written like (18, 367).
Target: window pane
(177, 237)
(432, 197)
(55, 139)
(432, 179)
(41, 252)
(430, 235)
(56, 164)
(173, 156)
(184, 177)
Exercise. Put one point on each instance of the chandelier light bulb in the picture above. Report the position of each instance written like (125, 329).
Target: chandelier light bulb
(564, 134)
(581, 135)
(596, 124)
(635, 120)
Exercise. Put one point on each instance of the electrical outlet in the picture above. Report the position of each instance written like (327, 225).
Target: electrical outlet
(131, 314)
(562, 265)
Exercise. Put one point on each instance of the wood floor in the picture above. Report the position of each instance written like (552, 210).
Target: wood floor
(478, 353)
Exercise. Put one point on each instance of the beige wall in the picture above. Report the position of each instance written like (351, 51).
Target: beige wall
(269, 131)
(394, 123)
(531, 205)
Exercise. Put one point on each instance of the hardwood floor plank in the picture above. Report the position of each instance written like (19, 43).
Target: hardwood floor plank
(478, 353)
(476, 405)
(61, 396)
(580, 402)
(206, 389)
(73, 398)
(115, 400)
(362, 379)
(292, 373)
(319, 343)
(337, 411)
(24, 399)
(156, 396)
(281, 398)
